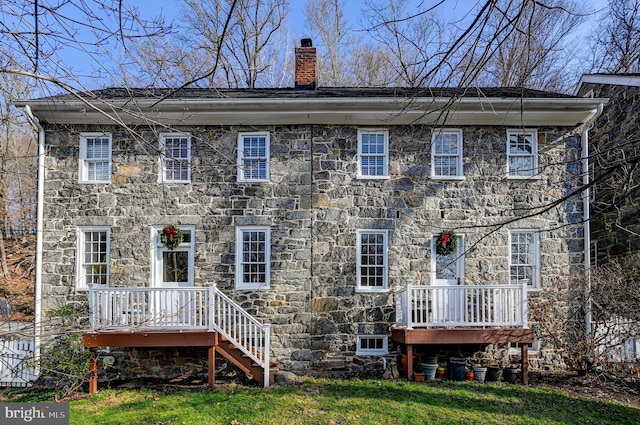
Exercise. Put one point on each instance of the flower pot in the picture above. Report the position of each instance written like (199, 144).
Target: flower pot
(440, 372)
(494, 373)
(430, 360)
(479, 373)
(429, 370)
(457, 367)
(405, 363)
(468, 376)
(418, 377)
(510, 375)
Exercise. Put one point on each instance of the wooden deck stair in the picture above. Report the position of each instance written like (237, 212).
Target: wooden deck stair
(253, 370)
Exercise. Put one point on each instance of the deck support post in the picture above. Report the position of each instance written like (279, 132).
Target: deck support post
(525, 363)
(93, 374)
(212, 367)
(409, 362)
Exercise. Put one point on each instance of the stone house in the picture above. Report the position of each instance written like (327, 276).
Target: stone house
(357, 222)
(614, 149)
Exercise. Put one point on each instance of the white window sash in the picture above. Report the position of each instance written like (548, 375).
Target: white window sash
(99, 268)
(530, 171)
(456, 158)
(365, 157)
(246, 156)
(91, 167)
(262, 267)
(171, 165)
(384, 267)
(533, 251)
(369, 351)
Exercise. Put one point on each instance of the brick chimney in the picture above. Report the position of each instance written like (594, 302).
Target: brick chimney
(306, 68)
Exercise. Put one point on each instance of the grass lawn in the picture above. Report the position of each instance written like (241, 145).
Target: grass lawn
(330, 401)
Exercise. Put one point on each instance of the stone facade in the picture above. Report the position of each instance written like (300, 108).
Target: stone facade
(314, 204)
(615, 171)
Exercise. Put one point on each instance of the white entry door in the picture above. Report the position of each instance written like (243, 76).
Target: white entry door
(448, 271)
(173, 269)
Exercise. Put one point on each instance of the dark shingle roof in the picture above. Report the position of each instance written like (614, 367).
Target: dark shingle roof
(324, 92)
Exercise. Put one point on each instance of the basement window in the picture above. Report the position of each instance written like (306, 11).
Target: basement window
(372, 345)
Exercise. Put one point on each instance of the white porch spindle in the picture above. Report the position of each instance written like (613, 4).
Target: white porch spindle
(204, 308)
(462, 306)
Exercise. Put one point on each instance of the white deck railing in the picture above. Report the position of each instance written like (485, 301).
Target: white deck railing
(203, 308)
(17, 368)
(420, 306)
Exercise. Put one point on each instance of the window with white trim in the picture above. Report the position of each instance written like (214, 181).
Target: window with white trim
(95, 158)
(92, 256)
(372, 264)
(524, 257)
(253, 257)
(173, 265)
(175, 158)
(253, 157)
(372, 345)
(373, 154)
(522, 153)
(446, 154)
(515, 348)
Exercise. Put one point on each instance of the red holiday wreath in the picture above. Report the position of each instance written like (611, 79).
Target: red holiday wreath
(446, 243)
(171, 237)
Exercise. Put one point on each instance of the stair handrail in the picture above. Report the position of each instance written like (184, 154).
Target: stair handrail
(230, 321)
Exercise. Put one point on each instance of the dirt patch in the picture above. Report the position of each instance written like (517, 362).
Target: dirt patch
(599, 387)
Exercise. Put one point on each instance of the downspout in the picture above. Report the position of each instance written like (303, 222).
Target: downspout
(39, 236)
(586, 195)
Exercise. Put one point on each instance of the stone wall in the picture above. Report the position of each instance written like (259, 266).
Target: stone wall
(314, 204)
(615, 169)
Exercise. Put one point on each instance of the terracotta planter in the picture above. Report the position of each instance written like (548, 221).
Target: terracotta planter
(440, 372)
(468, 376)
(418, 377)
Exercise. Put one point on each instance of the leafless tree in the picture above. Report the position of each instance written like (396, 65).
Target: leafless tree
(534, 53)
(616, 40)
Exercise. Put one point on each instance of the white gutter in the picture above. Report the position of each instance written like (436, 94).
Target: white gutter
(586, 194)
(39, 236)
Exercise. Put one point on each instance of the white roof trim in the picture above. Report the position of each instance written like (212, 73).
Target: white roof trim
(617, 80)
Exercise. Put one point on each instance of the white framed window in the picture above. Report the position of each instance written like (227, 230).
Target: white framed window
(515, 348)
(524, 257)
(95, 158)
(92, 256)
(373, 265)
(372, 345)
(253, 157)
(446, 154)
(373, 154)
(175, 158)
(173, 267)
(253, 257)
(522, 153)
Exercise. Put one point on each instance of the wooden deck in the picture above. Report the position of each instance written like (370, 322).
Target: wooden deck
(440, 336)
(176, 338)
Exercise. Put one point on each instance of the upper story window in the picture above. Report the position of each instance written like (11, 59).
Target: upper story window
(95, 158)
(175, 158)
(373, 266)
(524, 257)
(373, 154)
(522, 153)
(253, 257)
(92, 257)
(446, 154)
(253, 157)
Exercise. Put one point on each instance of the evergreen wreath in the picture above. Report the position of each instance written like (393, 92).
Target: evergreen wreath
(447, 242)
(171, 237)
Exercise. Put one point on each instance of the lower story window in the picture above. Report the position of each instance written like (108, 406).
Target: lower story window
(253, 257)
(92, 257)
(372, 260)
(372, 345)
